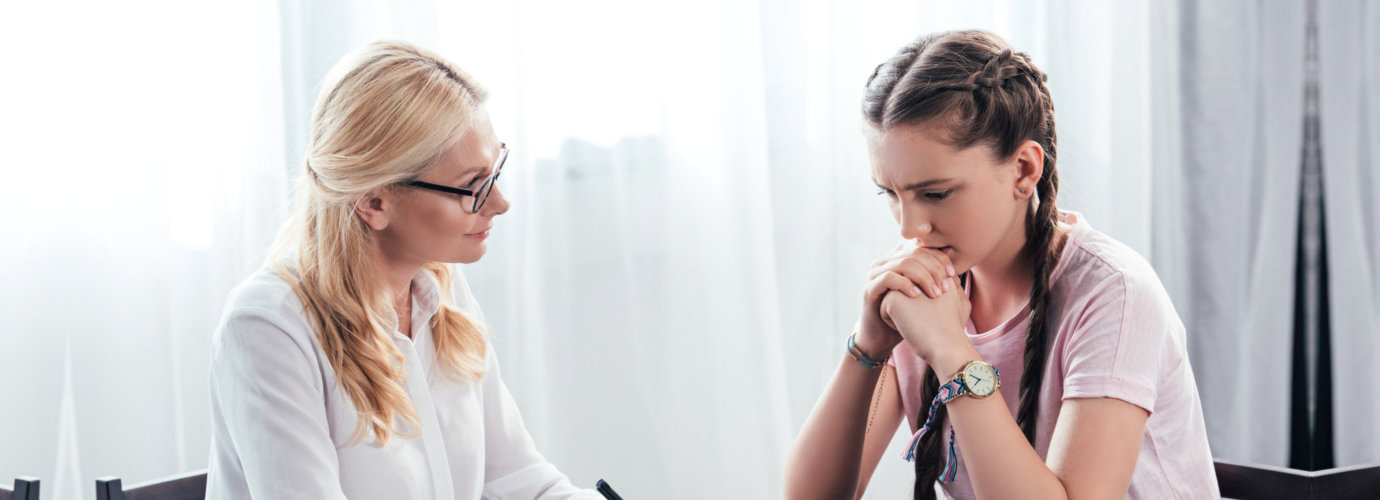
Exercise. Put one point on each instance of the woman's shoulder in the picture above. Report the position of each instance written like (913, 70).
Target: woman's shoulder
(267, 289)
(265, 303)
(264, 337)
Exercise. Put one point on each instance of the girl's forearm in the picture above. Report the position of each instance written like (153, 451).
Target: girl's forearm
(823, 462)
(1000, 463)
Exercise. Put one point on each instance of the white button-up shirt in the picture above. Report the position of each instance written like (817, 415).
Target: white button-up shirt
(281, 423)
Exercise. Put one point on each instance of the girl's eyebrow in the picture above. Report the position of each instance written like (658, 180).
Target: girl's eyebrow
(918, 185)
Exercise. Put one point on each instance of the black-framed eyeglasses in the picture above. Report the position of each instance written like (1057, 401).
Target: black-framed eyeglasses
(480, 194)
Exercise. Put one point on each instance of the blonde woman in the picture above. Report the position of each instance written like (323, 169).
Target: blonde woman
(346, 367)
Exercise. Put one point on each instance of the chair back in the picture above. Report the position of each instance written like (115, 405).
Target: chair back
(1264, 482)
(25, 488)
(1261, 482)
(189, 486)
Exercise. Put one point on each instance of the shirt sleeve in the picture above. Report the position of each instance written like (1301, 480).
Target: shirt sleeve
(1117, 343)
(270, 393)
(513, 469)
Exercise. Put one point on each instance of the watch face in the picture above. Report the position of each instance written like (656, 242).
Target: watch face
(980, 379)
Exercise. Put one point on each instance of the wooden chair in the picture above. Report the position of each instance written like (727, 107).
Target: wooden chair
(1261, 482)
(1264, 482)
(1357, 481)
(189, 486)
(25, 488)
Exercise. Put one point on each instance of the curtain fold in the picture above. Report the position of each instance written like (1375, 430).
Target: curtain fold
(1232, 244)
(1349, 95)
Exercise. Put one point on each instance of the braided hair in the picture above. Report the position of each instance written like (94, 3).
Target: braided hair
(980, 91)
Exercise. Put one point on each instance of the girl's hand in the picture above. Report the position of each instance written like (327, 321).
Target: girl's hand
(918, 273)
(931, 326)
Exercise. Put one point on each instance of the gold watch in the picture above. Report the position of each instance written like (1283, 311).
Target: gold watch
(979, 379)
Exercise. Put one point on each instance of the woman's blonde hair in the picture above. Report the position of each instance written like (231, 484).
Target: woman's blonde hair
(386, 113)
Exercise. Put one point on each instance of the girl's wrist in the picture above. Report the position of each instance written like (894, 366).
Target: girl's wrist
(873, 348)
(949, 361)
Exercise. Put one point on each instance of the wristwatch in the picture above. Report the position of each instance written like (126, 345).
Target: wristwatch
(976, 379)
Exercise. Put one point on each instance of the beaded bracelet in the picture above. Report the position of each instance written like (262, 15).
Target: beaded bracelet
(861, 357)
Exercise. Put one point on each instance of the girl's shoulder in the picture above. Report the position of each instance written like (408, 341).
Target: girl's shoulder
(1095, 267)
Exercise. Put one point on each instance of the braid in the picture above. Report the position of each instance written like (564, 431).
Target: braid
(1040, 244)
(995, 71)
(930, 455)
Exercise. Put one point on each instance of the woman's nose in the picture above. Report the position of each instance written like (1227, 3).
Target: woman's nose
(497, 204)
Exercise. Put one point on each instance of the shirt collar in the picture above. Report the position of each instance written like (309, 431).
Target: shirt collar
(426, 294)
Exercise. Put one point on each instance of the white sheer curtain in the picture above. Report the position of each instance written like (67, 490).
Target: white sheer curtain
(1349, 46)
(692, 211)
(142, 166)
(1227, 204)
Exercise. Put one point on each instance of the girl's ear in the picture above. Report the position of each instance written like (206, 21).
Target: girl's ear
(373, 208)
(1030, 165)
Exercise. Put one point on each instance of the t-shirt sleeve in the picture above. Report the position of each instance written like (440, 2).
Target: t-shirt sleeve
(1116, 344)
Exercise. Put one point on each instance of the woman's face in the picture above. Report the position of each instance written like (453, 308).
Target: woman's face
(962, 202)
(425, 225)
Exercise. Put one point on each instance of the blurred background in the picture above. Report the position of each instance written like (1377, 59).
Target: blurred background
(693, 214)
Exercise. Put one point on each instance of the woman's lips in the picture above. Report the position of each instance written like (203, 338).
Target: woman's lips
(480, 235)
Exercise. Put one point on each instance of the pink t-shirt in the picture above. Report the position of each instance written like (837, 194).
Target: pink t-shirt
(1115, 335)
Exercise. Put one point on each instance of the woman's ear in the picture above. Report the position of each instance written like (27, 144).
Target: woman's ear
(1030, 165)
(373, 208)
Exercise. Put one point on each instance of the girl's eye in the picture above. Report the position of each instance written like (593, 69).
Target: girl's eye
(889, 193)
(937, 196)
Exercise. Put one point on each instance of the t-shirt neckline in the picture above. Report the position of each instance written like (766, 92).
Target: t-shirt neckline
(1077, 226)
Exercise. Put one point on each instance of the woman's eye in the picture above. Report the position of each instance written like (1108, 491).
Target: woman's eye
(936, 196)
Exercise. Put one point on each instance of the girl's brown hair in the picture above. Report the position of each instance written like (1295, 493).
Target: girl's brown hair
(980, 91)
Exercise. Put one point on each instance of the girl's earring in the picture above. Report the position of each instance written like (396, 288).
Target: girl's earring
(1023, 191)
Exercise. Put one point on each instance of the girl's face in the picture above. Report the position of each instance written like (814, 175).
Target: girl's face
(425, 225)
(965, 203)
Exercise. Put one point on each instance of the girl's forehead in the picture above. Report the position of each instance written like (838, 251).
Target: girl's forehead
(910, 154)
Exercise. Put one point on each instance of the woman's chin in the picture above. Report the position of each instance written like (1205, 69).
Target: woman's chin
(472, 255)
(469, 255)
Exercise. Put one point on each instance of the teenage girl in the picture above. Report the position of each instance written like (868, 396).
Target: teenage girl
(1034, 356)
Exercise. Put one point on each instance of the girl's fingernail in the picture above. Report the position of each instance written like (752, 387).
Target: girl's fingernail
(946, 285)
(937, 291)
(951, 270)
(915, 291)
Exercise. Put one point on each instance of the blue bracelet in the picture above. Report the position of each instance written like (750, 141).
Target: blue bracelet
(862, 357)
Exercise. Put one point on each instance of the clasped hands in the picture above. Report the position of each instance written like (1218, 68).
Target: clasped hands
(913, 294)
